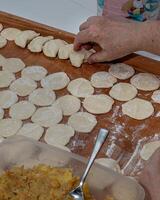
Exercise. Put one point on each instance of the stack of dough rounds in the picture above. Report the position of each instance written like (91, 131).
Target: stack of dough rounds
(98, 104)
(6, 78)
(64, 51)
(7, 98)
(110, 163)
(10, 33)
(156, 96)
(1, 113)
(3, 42)
(13, 65)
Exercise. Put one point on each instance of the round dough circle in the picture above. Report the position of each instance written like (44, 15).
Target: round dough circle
(110, 163)
(2, 60)
(9, 126)
(59, 134)
(34, 72)
(31, 130)
(7, 98)
(6, 78)
(22, 110)
(23, 86)
(138, 109)
(1, 113)
(13, 65)
(42, 97)
(82, 122)
(103, 80)
(121, 71)
(48, 116)
(123, 92)
(55, 81)
(80, 87)
(156, 96)
(3, 42)
(145, 81)
(98, 104)
(10, 33)
(69, 104)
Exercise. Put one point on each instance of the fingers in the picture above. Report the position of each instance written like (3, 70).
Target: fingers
(99, 56)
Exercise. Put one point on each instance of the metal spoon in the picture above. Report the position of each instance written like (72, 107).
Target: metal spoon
(77, 193)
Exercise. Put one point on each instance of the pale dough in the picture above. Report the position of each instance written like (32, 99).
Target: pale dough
(3, 42)
(9, 126)
(156, 96)
(10, 33)
(80, 87)
(138, 109)
(42, 97)
(148, 149)
(1, 27)
(6, 78)
(82, 122)
(65, 51)
(2, 60)
(98, 104)
(23, 86)
(7, 98)
(37, 43)
(1, 113)
(77, 58)
(110, 163)
(13, 65)
(123, 92)
(103, 80)
(55, 81)
(63, 148)
(48, 116)
(31, 130)
(69, 104)
(25, 37)
(121, 71)
(22, 110)
(145, 81)
(59, 134)
(34, 72)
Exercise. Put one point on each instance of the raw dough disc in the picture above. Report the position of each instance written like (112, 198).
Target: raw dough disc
(82, 122)
(23, 86)
(9, 126)
(22, 110)
(31, 130)
(10, 33)
(110, 163)
(34, 72)
(55, 81)
(80, 87)
(1, 113)
(156, 96)
(2, 60)
(13, 65)
(123, 92)
(59, 134)
(138, 109)
(7, 98)
(148, 149)
(6, 78)
(98, 104)
(145, 81)
(69, 104)
(42, 97)
(77, 58)
(103, 80)
(3, 42)
(48, 116)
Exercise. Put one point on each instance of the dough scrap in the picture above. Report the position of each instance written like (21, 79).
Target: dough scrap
(3, 42)
(34, 72)
(9, 126)
(82, 122)
(25, 37)
(69, 104)
(42, 97)
(80, 87)
(138, 109)
(31, 130)
(77, 58)
(1, 113)
(103, 80)
(10, 33)
(6, 78)
(7, 98)
(55, 81)
(121, 71)
(59, 134)
(48, 116)
(110, 163)
(2, 60)
(22, 110)
(98, 104)
(37, 43)
(123, 92)
(13, 65)
(65, 51)
(156, 96)
(23, 86)
(145, 81)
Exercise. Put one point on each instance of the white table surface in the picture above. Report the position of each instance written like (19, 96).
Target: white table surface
(64, 14)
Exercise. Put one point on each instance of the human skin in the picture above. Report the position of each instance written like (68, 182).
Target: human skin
(117, 38)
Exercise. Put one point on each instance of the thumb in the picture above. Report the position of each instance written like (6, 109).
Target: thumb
(99, 56)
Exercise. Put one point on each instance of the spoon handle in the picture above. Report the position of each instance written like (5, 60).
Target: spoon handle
(103, 133)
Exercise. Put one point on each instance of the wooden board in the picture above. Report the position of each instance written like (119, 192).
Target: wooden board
(124, 131)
